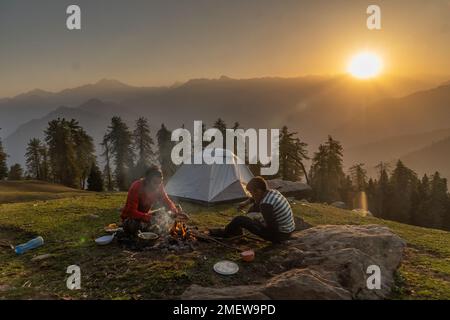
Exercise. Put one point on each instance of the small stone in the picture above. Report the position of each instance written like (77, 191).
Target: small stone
(5, 287)
(42, 257)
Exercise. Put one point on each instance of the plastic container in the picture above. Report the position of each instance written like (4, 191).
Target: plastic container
(32, 244)
(248, 256)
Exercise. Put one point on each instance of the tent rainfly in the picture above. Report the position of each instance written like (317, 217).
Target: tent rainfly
(211, 183)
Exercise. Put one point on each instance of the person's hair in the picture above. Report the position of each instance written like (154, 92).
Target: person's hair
(257, 183)
(151, 172)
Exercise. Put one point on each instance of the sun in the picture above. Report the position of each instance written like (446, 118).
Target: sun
(365, 65)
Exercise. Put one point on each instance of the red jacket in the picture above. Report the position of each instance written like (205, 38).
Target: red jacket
(139, 202)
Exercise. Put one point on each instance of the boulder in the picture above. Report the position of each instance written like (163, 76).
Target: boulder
(325, 262)
(299, 284)
(363, 212)
(294, 189)
(196, 292)
(339, 204)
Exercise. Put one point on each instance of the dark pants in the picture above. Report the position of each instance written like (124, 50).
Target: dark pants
(234, 228)
(133, 226)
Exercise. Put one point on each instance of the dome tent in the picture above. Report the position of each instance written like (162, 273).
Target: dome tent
(211, 183)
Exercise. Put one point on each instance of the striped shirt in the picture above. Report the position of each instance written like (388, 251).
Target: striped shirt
(281, 210)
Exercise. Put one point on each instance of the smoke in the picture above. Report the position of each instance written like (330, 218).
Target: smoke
(162, 221)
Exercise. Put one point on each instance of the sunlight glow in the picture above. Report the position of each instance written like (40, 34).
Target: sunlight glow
(365, 65)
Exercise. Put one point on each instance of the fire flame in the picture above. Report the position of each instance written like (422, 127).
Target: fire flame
(180, 231)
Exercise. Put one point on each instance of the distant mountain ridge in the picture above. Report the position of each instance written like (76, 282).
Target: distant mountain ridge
(431, 158)
(355, 112)
(93, 115)
(37, 103)
(422, 111)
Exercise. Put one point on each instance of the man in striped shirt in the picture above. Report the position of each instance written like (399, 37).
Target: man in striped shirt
(277, 213)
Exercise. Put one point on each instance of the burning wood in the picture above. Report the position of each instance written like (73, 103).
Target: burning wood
(180, 231)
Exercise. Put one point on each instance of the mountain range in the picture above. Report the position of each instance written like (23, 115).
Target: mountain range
(378, 120)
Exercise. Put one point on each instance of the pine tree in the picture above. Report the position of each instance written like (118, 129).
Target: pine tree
(95, 179)
(335, 166)
(359, 177)
(420, 202)
(121, 149)
(62, 153)
(221, 126)
(45, 165)
(326, 174)
(143, 144)
(165, 145)
(359, 183)
(84, 151)
(346, 191)
(403, 182)
(292, 154)
(446, 220)
(318, 174)
(107, 169)
(370, 193)
(3, 165)
(33, 158)
(382, 192)
(69, 156)
(236, 126)
(15, 172)
(437, 204)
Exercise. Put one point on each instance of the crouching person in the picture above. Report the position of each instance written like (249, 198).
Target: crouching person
(143, 196)
(278, 222)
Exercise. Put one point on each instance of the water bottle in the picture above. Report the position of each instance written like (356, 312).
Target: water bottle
(34, 243)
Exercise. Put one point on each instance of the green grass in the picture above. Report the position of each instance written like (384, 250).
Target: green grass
(111, 272)
(29, 190)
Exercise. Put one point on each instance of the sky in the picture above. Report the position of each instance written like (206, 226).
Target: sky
(145, 42)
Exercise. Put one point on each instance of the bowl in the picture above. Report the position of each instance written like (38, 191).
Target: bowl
(149, 238)
(248, 256)
(148, 235)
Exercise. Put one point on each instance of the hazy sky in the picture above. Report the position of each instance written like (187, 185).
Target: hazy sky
(160, 42)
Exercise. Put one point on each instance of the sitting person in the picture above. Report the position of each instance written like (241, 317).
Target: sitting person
(143, 195)
(275, 209)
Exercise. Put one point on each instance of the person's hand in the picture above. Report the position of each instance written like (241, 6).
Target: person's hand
(241, 206)
(182, 216)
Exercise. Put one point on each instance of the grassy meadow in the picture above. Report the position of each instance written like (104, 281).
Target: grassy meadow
(70, 220)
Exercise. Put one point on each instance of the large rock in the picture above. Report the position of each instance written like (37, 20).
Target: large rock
(339, 204)
(304, 284)
(325, 262)
(196, 292)
(363, 212)
(294, 189)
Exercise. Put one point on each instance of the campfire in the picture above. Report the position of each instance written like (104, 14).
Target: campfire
(177, 238)
(180, 231)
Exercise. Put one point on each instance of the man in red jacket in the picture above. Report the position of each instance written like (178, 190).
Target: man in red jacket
(144, 196)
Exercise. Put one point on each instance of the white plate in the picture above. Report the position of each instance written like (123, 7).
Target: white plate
(104, 240)
(226, 267)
